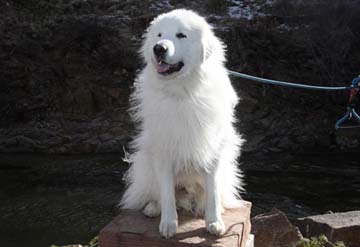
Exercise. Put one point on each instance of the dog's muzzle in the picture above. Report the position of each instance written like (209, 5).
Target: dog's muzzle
(162, 50)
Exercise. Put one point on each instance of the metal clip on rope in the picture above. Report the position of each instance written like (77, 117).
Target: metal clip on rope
(351, 112)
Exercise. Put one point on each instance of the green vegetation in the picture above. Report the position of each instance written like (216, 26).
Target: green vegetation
(320, 241)
(93, 243)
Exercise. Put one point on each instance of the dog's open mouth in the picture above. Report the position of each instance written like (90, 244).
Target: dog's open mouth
(166, 68)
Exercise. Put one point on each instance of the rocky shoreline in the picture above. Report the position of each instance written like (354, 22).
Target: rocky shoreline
(67, 71)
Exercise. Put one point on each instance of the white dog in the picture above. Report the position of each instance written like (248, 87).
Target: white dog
(186, 150)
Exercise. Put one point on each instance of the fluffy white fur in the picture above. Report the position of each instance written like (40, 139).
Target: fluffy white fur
(186, 150)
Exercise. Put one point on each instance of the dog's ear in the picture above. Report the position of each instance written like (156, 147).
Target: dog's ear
(212, 46)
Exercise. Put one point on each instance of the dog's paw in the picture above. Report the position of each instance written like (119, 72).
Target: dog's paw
(152, 209)
(168, 229)
(216, 228)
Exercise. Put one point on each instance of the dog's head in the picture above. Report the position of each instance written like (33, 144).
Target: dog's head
(178, 43)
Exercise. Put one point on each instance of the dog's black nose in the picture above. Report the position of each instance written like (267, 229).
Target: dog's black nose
(160, 50)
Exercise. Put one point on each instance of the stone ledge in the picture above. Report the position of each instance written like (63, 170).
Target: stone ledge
(133, 229)
(336, 226)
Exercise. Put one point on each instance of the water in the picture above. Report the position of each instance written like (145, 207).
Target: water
(303, 185)
(62, 200)
(55, 199)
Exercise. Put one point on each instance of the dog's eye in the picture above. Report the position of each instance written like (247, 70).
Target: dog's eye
(180, 36)
(159, 35)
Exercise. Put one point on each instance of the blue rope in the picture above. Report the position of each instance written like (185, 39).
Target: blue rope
(286, 84)
(354, 87)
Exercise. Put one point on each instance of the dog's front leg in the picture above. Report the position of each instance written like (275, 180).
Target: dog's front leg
(213, 208)
(169, 223)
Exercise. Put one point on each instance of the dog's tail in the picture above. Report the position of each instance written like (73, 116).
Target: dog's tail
(140, 186)
(230, 174)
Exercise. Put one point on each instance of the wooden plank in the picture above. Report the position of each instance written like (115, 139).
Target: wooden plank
(133, 229)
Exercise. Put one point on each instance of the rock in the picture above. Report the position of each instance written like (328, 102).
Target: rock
(132, 228)
(337, 227)
(273, 229)
(57, 81)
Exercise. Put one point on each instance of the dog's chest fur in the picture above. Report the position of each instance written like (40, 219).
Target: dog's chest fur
(187, 129)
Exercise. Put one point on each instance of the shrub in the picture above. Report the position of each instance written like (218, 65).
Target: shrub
(320, 241)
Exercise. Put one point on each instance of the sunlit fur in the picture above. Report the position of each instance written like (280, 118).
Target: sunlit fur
(185, 123)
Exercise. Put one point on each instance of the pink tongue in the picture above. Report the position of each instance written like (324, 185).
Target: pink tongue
(161, 68)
